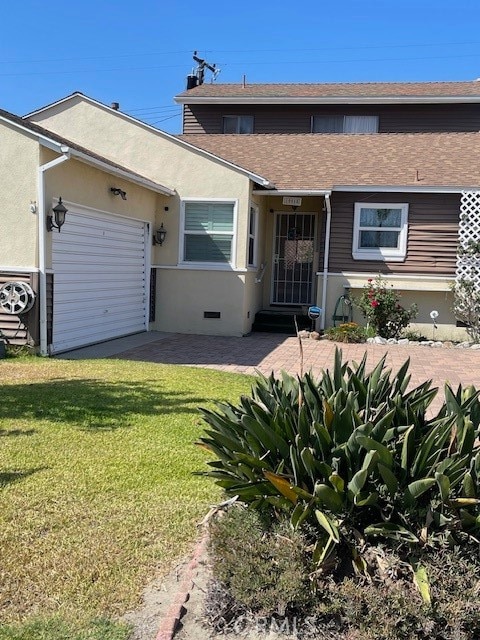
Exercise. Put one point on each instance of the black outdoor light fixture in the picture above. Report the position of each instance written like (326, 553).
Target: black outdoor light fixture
(159, 235)
(59, 212)
(119, 192)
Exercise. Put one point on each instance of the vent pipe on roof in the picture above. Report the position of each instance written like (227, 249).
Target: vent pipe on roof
(192, 81)
(115, 106)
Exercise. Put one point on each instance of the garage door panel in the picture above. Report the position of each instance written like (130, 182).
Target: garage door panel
(121, 246)
(97, 325)
(125, 266)
(66, 309)
(114, 290)
(100, 286)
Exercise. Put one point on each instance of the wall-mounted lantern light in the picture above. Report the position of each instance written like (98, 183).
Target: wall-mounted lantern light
(58, 219)
(119, 192)
(159, 235)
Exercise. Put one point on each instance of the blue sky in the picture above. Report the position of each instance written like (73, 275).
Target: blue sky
(139, 53)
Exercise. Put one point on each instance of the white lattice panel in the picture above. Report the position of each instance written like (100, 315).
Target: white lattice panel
(468, 265)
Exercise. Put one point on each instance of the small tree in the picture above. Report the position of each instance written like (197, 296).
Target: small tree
(380, 305)
(466, 290)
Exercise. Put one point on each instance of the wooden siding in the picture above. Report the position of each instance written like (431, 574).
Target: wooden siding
(432, 234)
(204, 118)
(20, 330)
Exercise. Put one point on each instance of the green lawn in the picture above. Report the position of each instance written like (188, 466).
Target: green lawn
(96, 487)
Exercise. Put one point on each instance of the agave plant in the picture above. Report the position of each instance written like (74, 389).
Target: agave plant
(355, 454)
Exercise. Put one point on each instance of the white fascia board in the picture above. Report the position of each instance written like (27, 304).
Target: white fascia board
(44, 140)
(291, 192)
(328, 100)
(167, 136)
(47, 107)
(401, 189)
(121, 173)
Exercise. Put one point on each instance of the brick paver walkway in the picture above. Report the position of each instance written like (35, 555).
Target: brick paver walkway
(272, 352)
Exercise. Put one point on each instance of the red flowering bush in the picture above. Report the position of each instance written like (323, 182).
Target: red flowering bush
(380, 305)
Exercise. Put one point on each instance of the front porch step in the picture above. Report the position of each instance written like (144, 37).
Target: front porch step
(280, 321)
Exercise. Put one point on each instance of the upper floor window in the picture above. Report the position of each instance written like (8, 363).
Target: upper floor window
(380, 231)
(237, 124)
(345, 124)
(208, 231)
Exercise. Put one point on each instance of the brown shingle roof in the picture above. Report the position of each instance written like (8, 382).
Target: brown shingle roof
(335, 90)
(322, 161)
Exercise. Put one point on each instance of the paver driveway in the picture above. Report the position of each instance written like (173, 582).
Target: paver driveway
(272, 352)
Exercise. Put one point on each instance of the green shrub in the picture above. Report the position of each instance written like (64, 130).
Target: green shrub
(262, 580)
(263, 566)
(346, 332)
(355, 455)
(393, 610)
(380, 305)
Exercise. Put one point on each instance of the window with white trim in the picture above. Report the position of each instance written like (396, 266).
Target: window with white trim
(252, 236)
(345, 124)
(208, 232)
(237, 124)
(380, 231)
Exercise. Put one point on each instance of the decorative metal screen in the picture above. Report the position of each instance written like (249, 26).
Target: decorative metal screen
(468, 257)
(293, 268)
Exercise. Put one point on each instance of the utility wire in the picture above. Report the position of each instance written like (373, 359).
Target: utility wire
(243, 63)
(243, 51)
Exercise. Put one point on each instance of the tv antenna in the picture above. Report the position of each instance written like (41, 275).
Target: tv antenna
(200, 70)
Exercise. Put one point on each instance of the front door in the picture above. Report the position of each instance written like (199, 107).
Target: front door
(293, 258)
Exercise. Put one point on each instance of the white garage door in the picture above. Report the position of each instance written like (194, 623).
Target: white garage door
(99, 276)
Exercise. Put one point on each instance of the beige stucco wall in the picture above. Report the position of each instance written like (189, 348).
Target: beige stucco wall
(428, 294)
(157, 156)
(183, 295)
(79, 183)
(18, 179)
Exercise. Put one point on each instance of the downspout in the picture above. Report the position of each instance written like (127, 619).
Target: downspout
(325, 260)
(42, 259)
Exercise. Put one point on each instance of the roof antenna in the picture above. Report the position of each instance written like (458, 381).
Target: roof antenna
(200, 70)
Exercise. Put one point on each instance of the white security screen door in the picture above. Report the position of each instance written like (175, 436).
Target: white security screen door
(293, 258)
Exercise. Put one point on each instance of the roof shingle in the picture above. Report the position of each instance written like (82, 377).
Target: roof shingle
(322, 161)
(336, 90)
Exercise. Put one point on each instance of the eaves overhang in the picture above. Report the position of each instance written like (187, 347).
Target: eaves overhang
(352, 188)
(45, 141)
(292, 192)
(405, 188)
(187, 100)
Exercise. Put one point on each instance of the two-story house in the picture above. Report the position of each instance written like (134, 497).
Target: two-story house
(367, 179)
(274, 198)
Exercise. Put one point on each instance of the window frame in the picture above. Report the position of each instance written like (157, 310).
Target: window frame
(344, 117)
(252, 236)
(386, 254)
(233, 233)
(238, 118)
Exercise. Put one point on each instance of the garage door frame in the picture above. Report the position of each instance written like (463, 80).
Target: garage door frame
(126, 235)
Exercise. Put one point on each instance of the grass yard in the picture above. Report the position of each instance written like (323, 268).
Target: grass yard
(96, 488)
